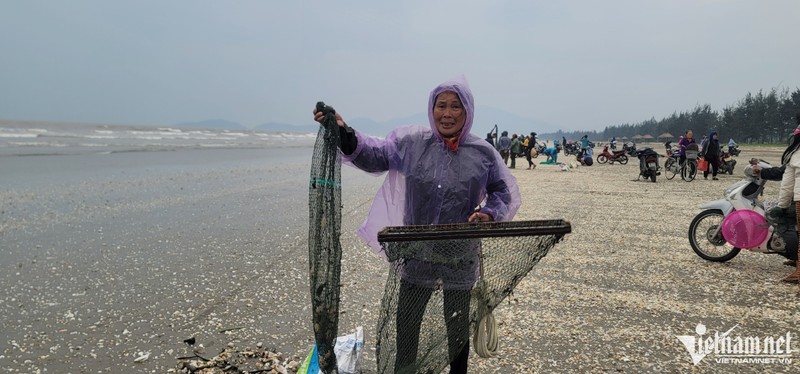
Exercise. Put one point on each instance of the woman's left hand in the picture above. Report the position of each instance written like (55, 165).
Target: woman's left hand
(479, 217)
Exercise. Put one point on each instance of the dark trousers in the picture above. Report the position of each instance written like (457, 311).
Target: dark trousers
(504, 154)
(513, 160)
(411, 305)
(713, 167)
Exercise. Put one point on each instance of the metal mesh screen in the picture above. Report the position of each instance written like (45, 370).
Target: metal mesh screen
(444, 278)
(324, 229)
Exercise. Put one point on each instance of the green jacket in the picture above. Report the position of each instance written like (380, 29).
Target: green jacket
(516, 146)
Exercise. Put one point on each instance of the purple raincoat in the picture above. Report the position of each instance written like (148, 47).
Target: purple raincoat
(429, 184)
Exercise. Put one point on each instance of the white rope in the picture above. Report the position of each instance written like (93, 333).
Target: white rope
(485, 337)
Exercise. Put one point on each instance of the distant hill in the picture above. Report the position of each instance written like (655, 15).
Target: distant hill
(485, 119)
(213, 124)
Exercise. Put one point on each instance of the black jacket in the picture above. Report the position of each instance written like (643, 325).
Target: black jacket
(710, 150)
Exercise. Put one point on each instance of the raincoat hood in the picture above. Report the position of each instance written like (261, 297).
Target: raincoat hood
(460, 86)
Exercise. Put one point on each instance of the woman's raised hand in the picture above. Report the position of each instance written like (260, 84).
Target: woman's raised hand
(318, 116)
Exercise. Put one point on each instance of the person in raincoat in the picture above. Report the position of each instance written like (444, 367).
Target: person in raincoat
(436, 174)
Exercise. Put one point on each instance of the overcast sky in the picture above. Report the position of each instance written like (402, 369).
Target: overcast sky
(578, 65)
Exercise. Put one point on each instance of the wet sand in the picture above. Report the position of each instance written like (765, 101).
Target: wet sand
(106, 258)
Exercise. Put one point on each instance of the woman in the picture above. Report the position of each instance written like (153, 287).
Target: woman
(790, 186)
(710, 153)
(688, 138)
(436, 175)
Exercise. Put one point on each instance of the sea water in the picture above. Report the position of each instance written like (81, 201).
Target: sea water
(37, 138)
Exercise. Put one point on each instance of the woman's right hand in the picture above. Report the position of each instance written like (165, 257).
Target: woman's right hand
(318, 116)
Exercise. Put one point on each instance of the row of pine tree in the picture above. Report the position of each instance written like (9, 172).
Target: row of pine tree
(760, 118)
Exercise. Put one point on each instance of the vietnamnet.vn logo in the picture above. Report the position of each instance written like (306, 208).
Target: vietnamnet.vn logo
(731, 349)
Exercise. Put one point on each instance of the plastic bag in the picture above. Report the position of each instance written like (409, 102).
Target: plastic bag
(348, 355)
(348, 350)
(702, 165)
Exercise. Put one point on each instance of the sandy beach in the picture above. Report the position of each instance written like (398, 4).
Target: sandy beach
(108, 258)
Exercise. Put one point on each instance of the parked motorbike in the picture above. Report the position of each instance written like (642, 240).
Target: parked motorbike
(629, 148)
(648, 164)
(571, 149)
(672, 152)
(611, 157)
(726, 163)
(706, 234)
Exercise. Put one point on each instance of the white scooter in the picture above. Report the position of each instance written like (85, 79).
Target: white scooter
(705, 231)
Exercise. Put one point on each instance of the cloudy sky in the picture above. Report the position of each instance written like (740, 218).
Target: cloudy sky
(576, 65)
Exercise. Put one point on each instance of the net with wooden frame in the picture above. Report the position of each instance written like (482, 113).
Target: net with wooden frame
(444, 279)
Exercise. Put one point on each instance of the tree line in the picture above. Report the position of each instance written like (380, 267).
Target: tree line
(760, 118)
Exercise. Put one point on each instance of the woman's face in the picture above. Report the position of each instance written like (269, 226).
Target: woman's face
(689, 135)
(715, 136)
(448, 114)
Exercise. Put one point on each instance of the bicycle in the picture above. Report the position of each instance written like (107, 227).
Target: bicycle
(672, 165)
(687, 168)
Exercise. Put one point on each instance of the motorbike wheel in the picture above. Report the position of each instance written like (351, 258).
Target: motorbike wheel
(622, 159)
(653, 176)
(689, 172)
(670, 169)
(602, 159)
(703, 241)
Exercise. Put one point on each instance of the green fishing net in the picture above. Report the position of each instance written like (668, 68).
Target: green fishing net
(324, 229)
(443, 281)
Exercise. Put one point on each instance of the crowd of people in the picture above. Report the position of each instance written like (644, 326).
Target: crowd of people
(708, 149)
(527, 146)
(515, 146)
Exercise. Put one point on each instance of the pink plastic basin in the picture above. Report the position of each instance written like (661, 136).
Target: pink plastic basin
(745, 229)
